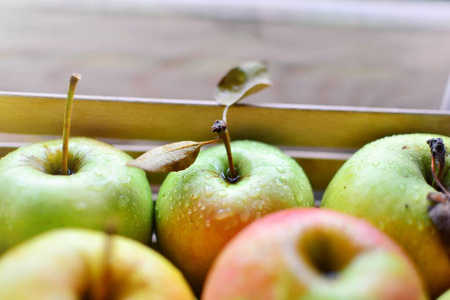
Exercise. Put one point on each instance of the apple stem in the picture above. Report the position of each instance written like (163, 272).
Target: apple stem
(67, 121)
(438, 153)
(220, 127)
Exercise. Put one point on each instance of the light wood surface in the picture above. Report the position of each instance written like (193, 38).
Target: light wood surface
(319, 52)
(320, 138)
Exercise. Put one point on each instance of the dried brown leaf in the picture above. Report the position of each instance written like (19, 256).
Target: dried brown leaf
(242, 81)
(171, 157)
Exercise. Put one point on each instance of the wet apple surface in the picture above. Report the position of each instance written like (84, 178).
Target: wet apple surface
(198, 210)
(387, 183)
(101, 190)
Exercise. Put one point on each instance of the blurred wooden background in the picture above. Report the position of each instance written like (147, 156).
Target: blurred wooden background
(362, 53)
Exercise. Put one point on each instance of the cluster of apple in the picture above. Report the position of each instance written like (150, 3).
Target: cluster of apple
(239, 223)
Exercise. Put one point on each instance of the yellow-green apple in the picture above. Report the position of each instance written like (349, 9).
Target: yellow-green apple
(200, 209)
(312, 254)
(387, 183)
(445, 296)
(35, 197)
(88, 264)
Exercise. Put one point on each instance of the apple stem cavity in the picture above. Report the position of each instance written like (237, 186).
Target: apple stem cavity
(103, 292)
(439, 212)
(67, 122)
(220, 127)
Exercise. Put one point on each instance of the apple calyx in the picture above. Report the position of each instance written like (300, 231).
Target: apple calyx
(67, 122)
(439, 212)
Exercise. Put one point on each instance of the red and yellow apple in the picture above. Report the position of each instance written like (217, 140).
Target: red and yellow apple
(312, 254)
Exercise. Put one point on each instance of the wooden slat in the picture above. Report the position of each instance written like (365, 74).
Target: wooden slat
(320, 166)
(174, 120)
(329, 133)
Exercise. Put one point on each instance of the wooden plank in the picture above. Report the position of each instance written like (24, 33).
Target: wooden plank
(174, 120)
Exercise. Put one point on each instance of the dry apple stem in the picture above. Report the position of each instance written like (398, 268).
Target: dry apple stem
(67, 121)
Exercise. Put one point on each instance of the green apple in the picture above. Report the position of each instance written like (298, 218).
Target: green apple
(102, 190)
(87, 264)
(445, 296)
(199, 209)
(387, 183)
(312, 254)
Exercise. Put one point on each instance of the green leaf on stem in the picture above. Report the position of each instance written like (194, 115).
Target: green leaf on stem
(171, 157)
(242, 81)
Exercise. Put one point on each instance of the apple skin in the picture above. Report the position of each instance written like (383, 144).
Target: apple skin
(387, 182)
(198, 212)
(289, 255)
(445, 296)
(103, 191)
(70, 264)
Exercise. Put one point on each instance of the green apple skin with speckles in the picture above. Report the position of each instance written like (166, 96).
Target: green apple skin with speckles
(198, 211)
(387, 182)
(101, 192)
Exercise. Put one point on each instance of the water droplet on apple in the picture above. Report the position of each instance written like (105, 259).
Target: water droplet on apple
(224, 213)
(209, 191)
(126, 180)
(278, 182)
(208, 223)
(189, 211)
(186, 188)
(195, 196)
(222, 193)
(122, 202)
(244, 216)
(207, 176)
(80, 205)
(202, 207)
(420, 226)
(255, 193)
(280, 169)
